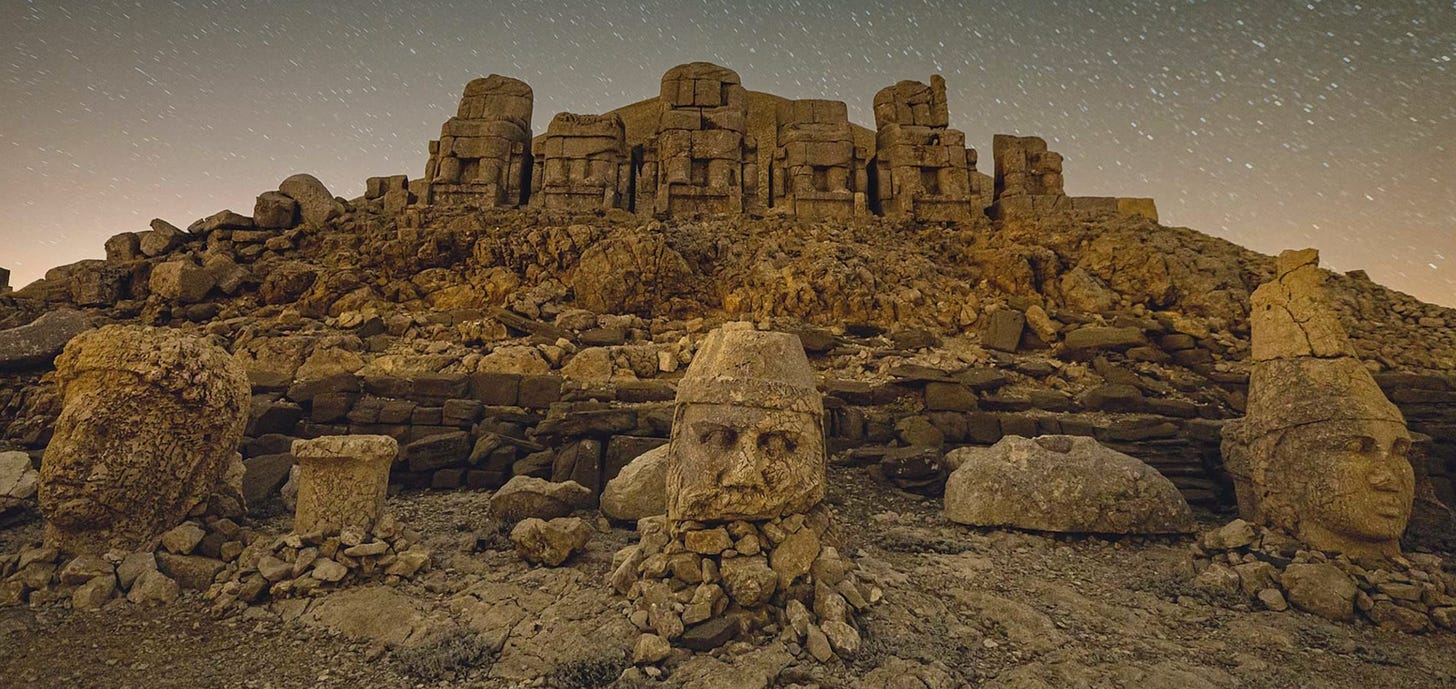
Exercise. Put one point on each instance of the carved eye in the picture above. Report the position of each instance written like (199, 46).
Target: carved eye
(1360, 444)
(716, 434)
(1400, 447)
(777, 443)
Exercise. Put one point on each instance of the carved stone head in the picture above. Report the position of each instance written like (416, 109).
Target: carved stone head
(748, 430)
(1327, 456)
(1320, 453)
(149, 428)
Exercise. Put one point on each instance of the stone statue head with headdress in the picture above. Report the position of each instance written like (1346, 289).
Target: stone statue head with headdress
(748, 430)
(1320, 453)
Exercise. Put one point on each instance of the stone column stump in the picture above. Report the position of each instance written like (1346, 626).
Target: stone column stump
(342, 481)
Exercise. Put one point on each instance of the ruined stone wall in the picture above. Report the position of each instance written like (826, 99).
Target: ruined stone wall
(923, 167)
(708, 146)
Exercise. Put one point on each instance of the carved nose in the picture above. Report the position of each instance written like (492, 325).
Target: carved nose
(1383, 478)
(741, 471)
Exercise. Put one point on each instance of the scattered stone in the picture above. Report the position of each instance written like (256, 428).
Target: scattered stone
(650, 649)
(38, 342)
(550, 543)
(639, 490)
(1321, 589)
(153, 588)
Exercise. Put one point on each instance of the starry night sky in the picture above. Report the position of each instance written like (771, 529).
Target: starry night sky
(1272, 123)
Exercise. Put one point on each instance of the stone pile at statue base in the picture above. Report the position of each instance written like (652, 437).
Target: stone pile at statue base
(744, 542)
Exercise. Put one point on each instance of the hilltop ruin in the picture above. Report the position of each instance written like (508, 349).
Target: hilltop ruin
(707, 146)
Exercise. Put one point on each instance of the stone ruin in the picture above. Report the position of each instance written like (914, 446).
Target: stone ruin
(924, 170)
(582, 164)
(1029, 181)
(4, 280)
(745, 542)
(702, 159)
(342, 481)
(483, 154)
(818, 172)
(694, 150)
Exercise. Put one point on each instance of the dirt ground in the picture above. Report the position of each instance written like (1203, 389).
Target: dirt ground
(963, 607)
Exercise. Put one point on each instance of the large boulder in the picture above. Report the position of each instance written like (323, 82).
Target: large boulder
(1062, 483)
(315, 204)
(629, 272)
(640, 490)
(148, 431)
(38, 343)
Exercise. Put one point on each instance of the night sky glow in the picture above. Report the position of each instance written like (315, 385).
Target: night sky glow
(1272, 123)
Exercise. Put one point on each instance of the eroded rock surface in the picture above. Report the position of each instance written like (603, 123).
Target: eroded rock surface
(1062, 483)
(148, 432)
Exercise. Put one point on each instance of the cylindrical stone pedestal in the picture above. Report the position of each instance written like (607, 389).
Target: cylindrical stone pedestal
(342, 481)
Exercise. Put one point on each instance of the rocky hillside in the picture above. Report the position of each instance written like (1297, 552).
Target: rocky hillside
(447, 328)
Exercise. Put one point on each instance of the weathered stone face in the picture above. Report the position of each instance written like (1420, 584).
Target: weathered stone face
(745, 463)
(150, 425)
(1321, 452)
(748, 433)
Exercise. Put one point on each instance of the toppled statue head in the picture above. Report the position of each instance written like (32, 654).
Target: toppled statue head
(149, 428)
(748, 430)
(1321, 452)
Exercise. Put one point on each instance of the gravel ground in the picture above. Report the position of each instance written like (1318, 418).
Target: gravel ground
(963, 607)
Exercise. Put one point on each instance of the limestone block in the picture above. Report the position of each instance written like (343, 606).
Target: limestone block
(342, 481)
(183, 282)
(275, 210)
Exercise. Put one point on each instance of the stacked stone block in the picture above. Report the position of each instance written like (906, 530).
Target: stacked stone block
(1029, 181)
(817, 171)
(701, 160)
(924, 170)
(392, 192)
(482, 155)
(582, 164)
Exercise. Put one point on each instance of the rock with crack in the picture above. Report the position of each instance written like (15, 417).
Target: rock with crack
(527, 496)
(147, 433)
